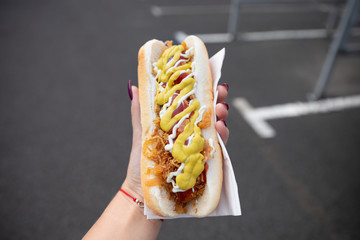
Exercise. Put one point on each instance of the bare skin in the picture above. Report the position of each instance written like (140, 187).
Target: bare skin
(122, 218)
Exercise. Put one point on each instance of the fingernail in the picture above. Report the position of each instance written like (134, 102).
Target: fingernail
(226, 105)
(130, 90)
(225, 85)
(223, 122)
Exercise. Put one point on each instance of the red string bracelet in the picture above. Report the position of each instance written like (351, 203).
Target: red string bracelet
(138, 202)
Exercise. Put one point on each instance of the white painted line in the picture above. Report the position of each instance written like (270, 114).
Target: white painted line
(283, 35)
(257, 117)
(260, 126)
(159, 11)
(179, 36)
(216, 37)
(286, 8)
(289, 34)
(263, 36)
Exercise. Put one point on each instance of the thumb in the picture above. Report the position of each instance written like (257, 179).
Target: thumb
(135, 115)
(133, 182)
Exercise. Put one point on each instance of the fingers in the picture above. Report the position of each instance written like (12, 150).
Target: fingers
(222, 129)
(133, 174)
(222, 111)
(222, 92)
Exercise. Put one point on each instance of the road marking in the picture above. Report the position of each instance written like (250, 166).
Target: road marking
(290, 34)
(160, 11)
(179, 36)
(264, 36)
(256, 117)
(283, 35)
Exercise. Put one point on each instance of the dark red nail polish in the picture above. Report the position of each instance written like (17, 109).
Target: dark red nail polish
(223, 122)
(226, 105)
(225, 85)
(130, 90)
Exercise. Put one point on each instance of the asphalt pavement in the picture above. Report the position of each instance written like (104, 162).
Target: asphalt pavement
(65, 121)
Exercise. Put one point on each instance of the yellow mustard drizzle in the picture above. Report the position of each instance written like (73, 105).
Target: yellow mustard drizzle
(188, 154)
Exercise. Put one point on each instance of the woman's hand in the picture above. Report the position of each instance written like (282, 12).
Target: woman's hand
(132, 183)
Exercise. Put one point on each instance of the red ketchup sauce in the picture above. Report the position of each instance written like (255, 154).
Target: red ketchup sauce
(181, 77)
(189, 195)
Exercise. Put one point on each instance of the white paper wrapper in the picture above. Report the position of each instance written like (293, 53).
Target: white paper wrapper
(229, 201)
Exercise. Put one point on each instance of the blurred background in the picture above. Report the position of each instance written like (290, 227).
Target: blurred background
(65, 115)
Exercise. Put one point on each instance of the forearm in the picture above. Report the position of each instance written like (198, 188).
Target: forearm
(123, 219)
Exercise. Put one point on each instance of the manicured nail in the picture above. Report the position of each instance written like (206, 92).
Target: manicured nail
(226, 105)
(223, 122)
(130, 90)
(225, 85)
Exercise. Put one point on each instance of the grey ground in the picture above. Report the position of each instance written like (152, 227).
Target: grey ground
(65, 122)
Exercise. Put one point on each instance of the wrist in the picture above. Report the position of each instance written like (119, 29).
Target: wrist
(137, 201)
(133, 190)
(136, 198)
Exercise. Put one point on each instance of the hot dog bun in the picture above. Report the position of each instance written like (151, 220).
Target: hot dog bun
(157, 197)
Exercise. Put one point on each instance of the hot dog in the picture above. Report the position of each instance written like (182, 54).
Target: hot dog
(181, 162)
